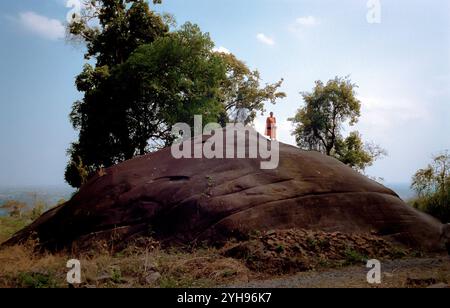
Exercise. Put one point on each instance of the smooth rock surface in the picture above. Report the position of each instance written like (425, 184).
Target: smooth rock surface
(191, 200)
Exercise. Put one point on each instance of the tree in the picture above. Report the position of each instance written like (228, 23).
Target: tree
(76, 172)
(167, 82)
(39, 207)
(241, 90)
(435, 178)
(133, 106)
(111, 30)
(145, 80)
(432, 185)
(319, 124)
(14, 208)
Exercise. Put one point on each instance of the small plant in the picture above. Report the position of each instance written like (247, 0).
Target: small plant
(417, 254)
(210, 181)
(229, 273)
(311, 242)
(116, 275)
(38, 209)
(36, 281)
(168, 283)
(353, 257)
(119, 254)
(398, 252)
(254, 234)
(324, 263)
(279, 249)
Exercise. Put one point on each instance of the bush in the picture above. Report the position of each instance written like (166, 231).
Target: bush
(36, 281)
(432, 184)
(437, 205)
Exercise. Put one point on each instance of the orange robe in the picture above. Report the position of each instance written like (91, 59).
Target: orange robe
(271, 128)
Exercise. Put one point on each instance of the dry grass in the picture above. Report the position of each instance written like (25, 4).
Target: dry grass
(21, 267)
(144, 264)
(136, 267)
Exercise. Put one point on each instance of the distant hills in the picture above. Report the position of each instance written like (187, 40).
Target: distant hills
(51, 195)
(403, 190)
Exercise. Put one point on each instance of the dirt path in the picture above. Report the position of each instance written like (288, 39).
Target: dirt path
(423, 272)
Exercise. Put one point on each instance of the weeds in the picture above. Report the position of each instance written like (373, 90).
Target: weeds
(36, 281)
(354, 257)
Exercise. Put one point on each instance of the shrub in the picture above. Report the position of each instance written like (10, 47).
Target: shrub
(36, 281)
(432, 184)
(437, 205)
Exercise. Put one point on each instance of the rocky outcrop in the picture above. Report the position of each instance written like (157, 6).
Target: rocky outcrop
(195, 200)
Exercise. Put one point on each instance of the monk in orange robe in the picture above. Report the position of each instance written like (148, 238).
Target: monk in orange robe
(271, 127)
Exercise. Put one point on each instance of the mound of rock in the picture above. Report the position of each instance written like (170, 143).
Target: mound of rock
(187, 201)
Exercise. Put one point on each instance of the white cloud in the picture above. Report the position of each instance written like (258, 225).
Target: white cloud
(302, 23)
(382, 116)
(265, 39)
(43, 26)
(308, 21)
(221, 49)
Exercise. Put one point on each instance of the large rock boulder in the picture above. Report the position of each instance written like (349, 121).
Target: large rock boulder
(195, 200)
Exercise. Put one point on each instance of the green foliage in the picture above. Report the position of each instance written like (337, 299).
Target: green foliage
(19, 216)
(36, 281)
(170, 81)
(319, 124)
(435, 177)
(111, 30)
(241, 90)
(354, 153)
(432, 184)
(145, 80)
(279, 249)
(436, 205)
(38, 209)
(354, 257)
(123, 25)
(76, 173)
(116, 275)
(10, 225)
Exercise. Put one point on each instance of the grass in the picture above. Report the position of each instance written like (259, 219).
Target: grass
(150, 266)
(10, 225)
(36, 281)
(354, 257)
(21, 267)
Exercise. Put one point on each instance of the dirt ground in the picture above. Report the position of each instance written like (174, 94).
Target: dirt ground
(404, 273)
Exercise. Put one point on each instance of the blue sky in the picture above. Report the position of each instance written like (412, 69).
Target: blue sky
(402, 67)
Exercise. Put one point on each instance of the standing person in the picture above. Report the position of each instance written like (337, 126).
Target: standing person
(271, 127)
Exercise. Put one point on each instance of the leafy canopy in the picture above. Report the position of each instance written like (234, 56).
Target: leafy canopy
(318, 126)
(432, 185)
(145, 79)
(435, 178)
